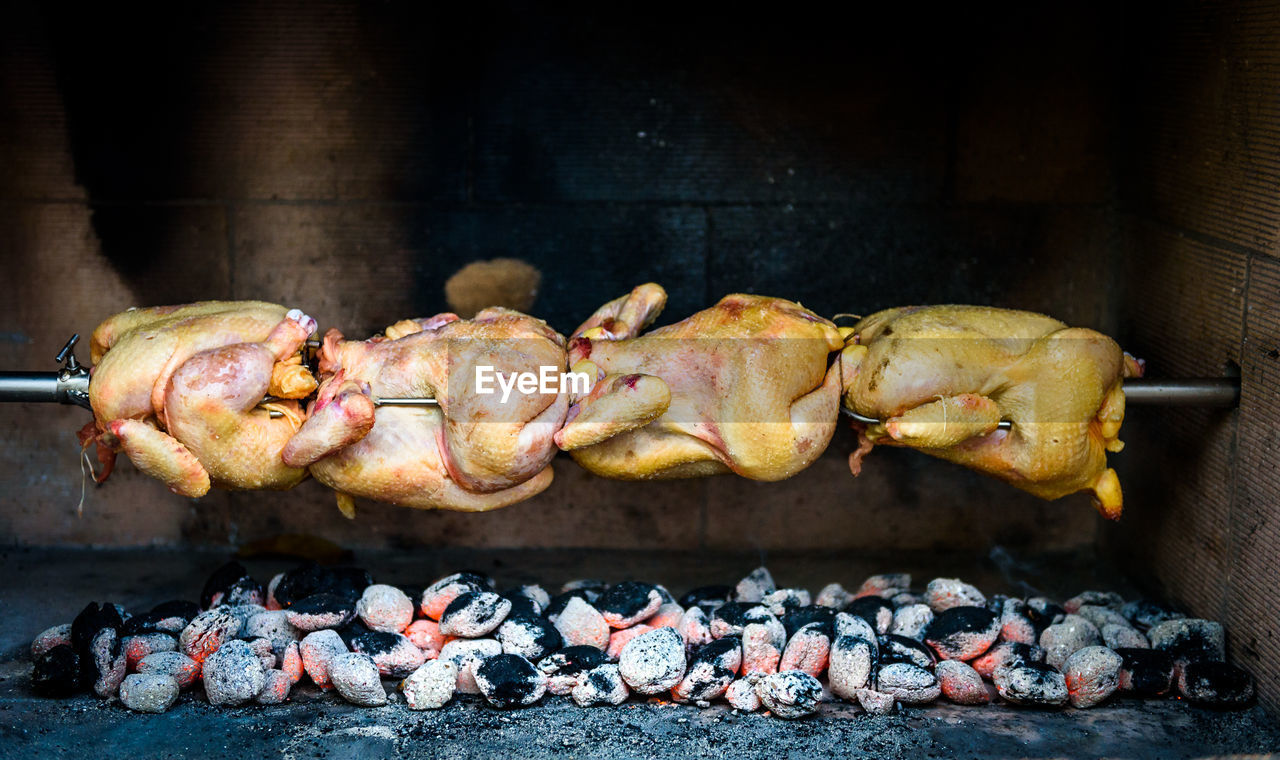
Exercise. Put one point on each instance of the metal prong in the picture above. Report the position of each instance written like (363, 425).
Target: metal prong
(69, 351)
(405, 402)
(864, 419)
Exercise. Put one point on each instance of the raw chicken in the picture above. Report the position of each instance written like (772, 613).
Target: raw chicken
(748, 386)
(941, 378)
(179, 390)
(472, 452)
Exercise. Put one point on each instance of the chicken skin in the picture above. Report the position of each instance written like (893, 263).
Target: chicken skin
(941, 379)
(473, 451)
(179, 389)
(749, 386)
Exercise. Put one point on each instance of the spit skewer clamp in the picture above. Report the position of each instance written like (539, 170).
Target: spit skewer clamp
(68, 385)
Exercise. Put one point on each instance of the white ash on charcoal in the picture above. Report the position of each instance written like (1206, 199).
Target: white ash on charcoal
(1145, 672)
(58, 635)
(385, 608)
(509, 680)
(852, 625)
(291, 662)
(563, 668)
(786, 600)
(1005, 654)
(580, 624)
(909, 684)
(1017, 624)
(962, 632)
(711, 670)
(230, 585)
(945, 593)
(619, 639)
(1145, 614)
(875, 702)
(833, 595)
(695, 628)
(535, 594)
(707, 598)
(320, 611)
(1123, 637)
(143, 644)
(243, 612)
(1102, 616)
(601, 685)
(1061, 640)
(759, 653)
(276, 685)
(1096, 598)
(850, 664)
(884, 585)
(232, 675)
(272, 625)
(207, 632)
(591, 588)
(431, 686)
(176, 665)
(807, 651)
(1215, 684)
(1189, 640)
(167, 617)
(624, 604)
(911, 621)
(310, 579)
(56, 672)
(741, 695)
(318, 649)
(1044, 611)
(95, 635)
(357, 679)
(876, 610)
(790, 695)
(1032, 684)
(654, 662)
(474, 614)
(730, 619)
(905, 598)
(902, 649)
(529, 636)
(392, 653)
(466, 654)
(754, 586)
(262, 648)
(271, 602)
(1092, 674)
(148, 692)
(961, 684)
(668, 615)
(425, 635)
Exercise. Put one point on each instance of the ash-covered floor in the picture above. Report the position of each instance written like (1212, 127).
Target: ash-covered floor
(41, 588)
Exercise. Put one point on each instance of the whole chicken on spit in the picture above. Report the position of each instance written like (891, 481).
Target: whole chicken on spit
(180, 388)
(749, 386)
(942, 378)
(472, 451)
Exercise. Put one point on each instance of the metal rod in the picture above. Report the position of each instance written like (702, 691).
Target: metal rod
(29, 386)
(1214, 392)
(405, 402)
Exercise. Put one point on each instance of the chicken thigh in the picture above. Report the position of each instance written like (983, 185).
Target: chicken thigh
(180, 389)
(748, 386)
(941, 378)
(473, 451)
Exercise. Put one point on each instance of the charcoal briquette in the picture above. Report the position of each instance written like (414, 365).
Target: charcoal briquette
(654, 662)
(741, 695)
(694, 628)
(148, 692)
(1145, 672)
(1098, 598)
(962, 632)
(911, 620)
(1006, 654)
(711, 669)
(944, 593)
(1144, 614)
(895, 648)
(1044, 611)
(56, 672)
(385, 608)
(49, 638)
(509, 680)
(467, 654)
(175, 665)
(833, 595)
(562, 668)
(601, 685)
(1092, 674)
(320, 611)
(392, 653)
(850, 663)
(960, 683)
(876, 610)
(529, 636)
(808, 650)
(232, 675)
(790, 695)
(274, 626)
(318, 649)
(909, 684)
(1215, 684)
(884, 585)
(1032, 684)
(357, 679)
(431, 686)
(1061, 640)
(137, 647)
(228, 581)
(786, 600)
(706, 597)
(1123, 637)
(581, 624)
(803, 616)
(1189, 640)
(627, 603)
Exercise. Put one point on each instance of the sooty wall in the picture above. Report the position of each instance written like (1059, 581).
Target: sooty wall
(346, 158)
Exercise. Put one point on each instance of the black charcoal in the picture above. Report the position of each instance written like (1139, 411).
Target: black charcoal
(509, 680)
(875, 610)
(1145, 672)
(627, 603)
(962, 632)
(56, 672)
(707, 597)
(393, 654)
(894, 648)
(1216, 684)
(321, 611)
(529, 636)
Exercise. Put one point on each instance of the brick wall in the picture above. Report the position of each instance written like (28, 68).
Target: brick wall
(347, 158)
